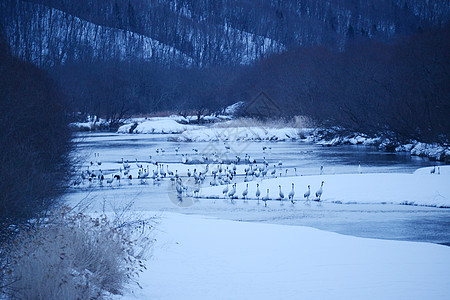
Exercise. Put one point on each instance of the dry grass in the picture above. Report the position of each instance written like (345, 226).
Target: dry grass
(74, 256)
(295, 122)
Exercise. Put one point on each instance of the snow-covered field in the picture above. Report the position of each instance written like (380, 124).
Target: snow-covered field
(203, 258)
(420, 188)
(240, 134)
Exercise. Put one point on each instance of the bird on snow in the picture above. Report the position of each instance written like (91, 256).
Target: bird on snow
(110, 181)
(281, 194)
(245, 192)
(292, 194)
(320, 191)
(232, 192)
(196, 190)
(274, 171)
(125, 165)
(307, 193)
(265, 198)
(258, 192)
(225, 190)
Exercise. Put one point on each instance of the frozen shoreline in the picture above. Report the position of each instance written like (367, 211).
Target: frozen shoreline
(230, 131)
(419, 188)
(203, 258)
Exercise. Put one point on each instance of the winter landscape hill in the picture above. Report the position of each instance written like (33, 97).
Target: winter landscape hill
(201, 33)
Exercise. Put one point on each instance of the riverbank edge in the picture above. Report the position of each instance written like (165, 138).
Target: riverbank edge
(335, 137)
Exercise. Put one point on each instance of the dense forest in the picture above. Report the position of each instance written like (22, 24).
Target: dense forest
(373, 68)
(35, 143)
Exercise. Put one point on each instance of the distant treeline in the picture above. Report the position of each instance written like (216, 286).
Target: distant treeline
(399, 89)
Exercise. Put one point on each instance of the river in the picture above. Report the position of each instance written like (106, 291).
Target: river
(383, 221)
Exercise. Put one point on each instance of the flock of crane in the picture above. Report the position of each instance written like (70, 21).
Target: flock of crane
(213, 168)
(245, 195)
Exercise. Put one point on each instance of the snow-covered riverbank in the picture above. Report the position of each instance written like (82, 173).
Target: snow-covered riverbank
(225, 130)
(203, 258)
(251, 130)
(327, 137)
(420, 188)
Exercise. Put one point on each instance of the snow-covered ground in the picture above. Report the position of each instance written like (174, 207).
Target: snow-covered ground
(240, 134)
(199, 257)
(420, 188)
(203, 258)
(330, 137)
(155, 126)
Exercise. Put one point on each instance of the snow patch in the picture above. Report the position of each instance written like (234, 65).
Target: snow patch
(240, 134)
(203, 258)
(155, 126)
(421, 188)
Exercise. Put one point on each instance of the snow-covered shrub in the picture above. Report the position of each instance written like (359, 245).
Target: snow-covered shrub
(74, 256)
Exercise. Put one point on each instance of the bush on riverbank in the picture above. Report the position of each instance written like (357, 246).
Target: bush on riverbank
(74, 256)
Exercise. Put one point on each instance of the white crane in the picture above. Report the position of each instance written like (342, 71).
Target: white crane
(225, 190)
(292, 194)
(168, 171)
(125, 165)
(99, 162)
(214, 181)
(196, 190)
(320, 191)
(265, 198)
(281, 194)
(111, 180)
(161, 170)
(233, 191)
(307, 193)
(258, 192)
(432, 171)
(274, 171)
(245, 192)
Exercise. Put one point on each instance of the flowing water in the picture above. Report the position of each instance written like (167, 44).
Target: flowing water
(385, 221)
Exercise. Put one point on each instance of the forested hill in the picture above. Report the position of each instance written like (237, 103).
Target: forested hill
(202, 32)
